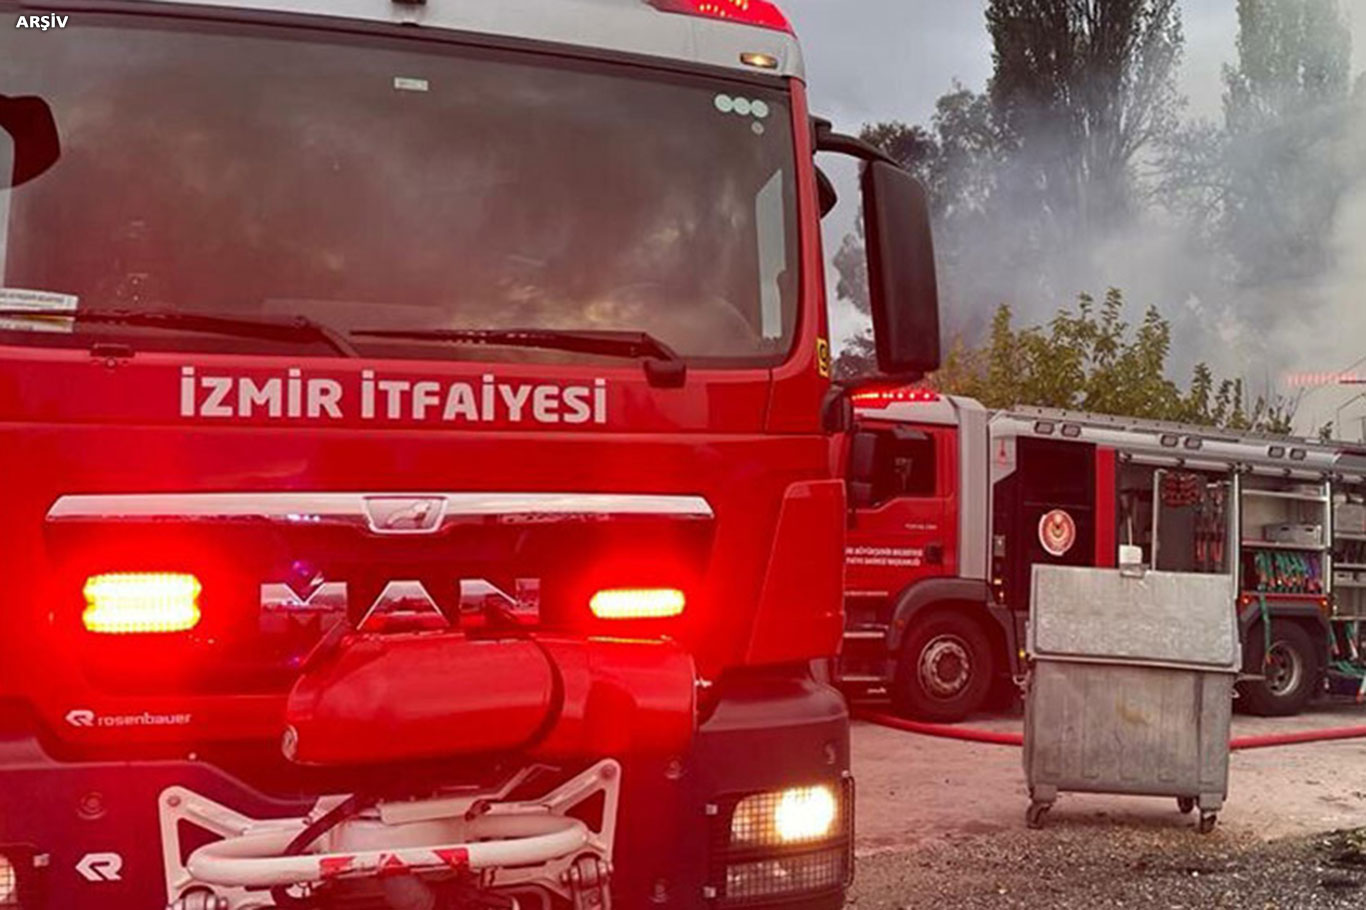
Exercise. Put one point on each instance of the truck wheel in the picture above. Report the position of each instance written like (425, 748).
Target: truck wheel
(945, 669)
(1290, 670)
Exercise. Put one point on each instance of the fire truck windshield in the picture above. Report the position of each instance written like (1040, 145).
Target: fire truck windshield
(413, 186)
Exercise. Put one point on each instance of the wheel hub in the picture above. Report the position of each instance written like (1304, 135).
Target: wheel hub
(1284, 669)
(945, 666)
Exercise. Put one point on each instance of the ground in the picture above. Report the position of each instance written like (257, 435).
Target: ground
(941, 824)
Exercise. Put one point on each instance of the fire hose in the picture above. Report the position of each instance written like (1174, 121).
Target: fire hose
(1005, 738)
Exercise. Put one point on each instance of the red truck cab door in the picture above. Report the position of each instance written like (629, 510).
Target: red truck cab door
(902, 489)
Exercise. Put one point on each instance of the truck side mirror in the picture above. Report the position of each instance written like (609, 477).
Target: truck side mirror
(862, 468)
(902, 286)
(33, 144)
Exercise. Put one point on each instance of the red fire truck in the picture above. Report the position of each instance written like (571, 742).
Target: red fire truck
(416, 455)
(952, 506)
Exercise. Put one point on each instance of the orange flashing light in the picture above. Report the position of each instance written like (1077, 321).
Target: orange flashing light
(133, 603)
(637, 603)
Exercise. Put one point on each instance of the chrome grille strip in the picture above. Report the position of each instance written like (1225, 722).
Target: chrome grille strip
(380, 513)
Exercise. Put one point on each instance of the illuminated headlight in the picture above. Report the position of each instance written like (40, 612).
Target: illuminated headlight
(792, 843)
(9, 883)
(802, 815)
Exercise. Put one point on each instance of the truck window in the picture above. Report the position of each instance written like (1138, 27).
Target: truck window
(906, 465)
(369, 183)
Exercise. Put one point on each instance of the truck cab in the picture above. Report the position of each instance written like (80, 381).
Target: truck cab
(415, 445)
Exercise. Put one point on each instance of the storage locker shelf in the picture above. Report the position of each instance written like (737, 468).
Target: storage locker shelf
(1277, 545)
(1280, 494)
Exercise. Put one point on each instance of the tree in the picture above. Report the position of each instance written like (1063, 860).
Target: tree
(1082, 87)
(1090, 359)
(1264, 187)
(1024, 176)
(1282, 116)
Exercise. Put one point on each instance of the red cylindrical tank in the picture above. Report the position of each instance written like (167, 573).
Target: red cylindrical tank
(386, 698)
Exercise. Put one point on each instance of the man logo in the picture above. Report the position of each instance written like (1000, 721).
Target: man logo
(80, 717)
(406, 601)
(100, 867)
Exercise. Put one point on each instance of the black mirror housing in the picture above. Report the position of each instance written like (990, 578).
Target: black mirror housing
(33, 133)
(902, 286)
(863, 456)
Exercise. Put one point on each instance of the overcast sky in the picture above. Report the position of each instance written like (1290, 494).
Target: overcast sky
(871, 60)
(890, 59)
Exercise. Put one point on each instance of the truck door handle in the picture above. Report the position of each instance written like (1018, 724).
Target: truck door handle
(934, 554)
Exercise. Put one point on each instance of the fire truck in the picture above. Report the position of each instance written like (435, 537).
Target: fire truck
(417, 455)
(952, 505)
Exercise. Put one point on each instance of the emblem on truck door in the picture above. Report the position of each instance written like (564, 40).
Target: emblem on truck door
(1057, 532)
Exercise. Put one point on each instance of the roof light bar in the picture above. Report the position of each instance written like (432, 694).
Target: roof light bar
(745, 12)
(885, 397)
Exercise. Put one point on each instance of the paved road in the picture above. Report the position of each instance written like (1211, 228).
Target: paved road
(941, 818)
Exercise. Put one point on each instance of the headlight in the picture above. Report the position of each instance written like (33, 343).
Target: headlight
(800, 815)
(9, 883)
(794, 843)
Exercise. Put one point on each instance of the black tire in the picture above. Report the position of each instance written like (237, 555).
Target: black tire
(1186, 804)
(1290, 675)
(945, 669)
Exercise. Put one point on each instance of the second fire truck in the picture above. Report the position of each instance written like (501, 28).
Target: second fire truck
(952, 506)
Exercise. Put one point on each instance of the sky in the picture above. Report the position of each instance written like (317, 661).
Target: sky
(892, 58)
(872, 60)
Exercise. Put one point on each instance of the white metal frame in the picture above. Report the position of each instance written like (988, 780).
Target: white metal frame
(510, 846)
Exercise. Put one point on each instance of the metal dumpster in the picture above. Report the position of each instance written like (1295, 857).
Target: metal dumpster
(1131, 686)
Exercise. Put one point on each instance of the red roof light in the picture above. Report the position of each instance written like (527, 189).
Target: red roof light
(881, 399)
(746, 12)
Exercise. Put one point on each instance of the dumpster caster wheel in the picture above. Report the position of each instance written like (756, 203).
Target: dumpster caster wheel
(1207, 820)
(1186, 804)
(1034, 817)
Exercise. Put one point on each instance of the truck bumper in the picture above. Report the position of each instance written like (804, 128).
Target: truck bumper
(86, 834)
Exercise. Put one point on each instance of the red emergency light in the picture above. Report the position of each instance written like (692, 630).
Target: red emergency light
(128, 603)
(882, 398)
(746, 12)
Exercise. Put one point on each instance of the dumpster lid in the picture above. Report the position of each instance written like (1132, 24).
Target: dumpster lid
(1181, 618)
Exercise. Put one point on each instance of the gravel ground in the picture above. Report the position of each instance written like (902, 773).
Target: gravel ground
(941, 825)
(1091, 863)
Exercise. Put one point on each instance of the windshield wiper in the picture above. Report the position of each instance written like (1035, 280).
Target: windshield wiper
(299, 329)
(663, 366)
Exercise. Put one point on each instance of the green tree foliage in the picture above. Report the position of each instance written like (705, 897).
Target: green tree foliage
(1089, 358)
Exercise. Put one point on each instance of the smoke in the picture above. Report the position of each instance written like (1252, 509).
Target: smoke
(1331, 336)
(1286, 329)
